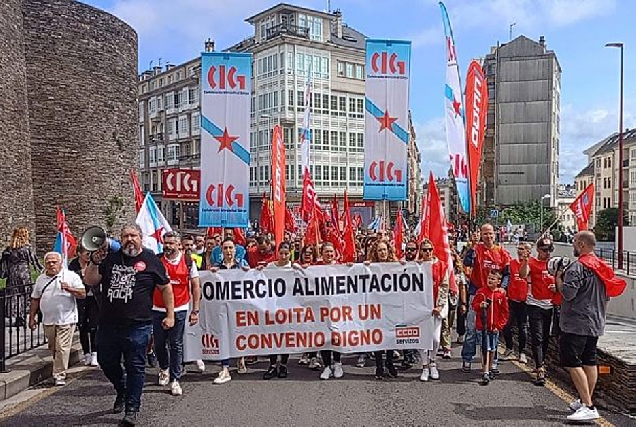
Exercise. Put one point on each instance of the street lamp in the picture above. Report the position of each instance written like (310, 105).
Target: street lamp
(620, 160)
(545, 196)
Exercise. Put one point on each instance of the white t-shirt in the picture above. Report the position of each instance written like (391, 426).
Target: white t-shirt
(58, 307)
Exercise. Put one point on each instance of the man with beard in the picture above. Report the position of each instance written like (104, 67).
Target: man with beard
(128, 278)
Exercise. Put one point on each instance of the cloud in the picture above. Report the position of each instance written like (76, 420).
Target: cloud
(431, 140)
(428, 36)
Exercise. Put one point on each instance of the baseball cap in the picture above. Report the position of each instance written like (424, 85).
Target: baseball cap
(545, 243)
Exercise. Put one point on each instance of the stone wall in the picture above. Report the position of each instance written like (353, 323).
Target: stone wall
(16, 200)
(81, 68)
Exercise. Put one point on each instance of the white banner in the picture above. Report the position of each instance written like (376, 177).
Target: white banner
(225, 139)
(386, 122)
(285, 310)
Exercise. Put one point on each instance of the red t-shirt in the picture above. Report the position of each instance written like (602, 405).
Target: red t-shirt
(179, 275)
(485, 260)
(497, 314)
(517, 287)
(255, 257)
(439, 271)
(540, 279)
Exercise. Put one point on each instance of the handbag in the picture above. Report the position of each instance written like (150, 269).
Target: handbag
(39, 313)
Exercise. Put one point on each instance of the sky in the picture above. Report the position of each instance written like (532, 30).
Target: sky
(577, 30)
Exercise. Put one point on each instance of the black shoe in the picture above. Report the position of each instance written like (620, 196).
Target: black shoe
(272, 372)
(495, 371)
(282, 371)
(118, 407)
(152, 359)
(392, 372)
(379, 373)
(540, 381)
(406, 365)
(485, 380)
(130, 419)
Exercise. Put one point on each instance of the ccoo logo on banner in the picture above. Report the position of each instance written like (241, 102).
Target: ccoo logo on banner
(386, 120)
(225, 156)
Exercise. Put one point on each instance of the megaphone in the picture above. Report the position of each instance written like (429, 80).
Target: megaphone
(95, 238)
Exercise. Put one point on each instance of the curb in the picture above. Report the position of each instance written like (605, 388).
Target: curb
(31, 368)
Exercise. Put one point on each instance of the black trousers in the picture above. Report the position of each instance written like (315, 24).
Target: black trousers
(326, 357)
(273, 358)
(519, 318)
(540, 324)
(378, 358)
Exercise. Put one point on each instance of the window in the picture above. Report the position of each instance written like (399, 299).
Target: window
(193, 95)
(342, 142)
(359, 72)
(301, 98)
(177, 100)
(334, 139)
(334, 105)
(173, 153)
(290, 98)
(349, 68)
(352, 105)
(141, 135)
(341, 68)
(196, 123)
(160, 153)
(169, 100)
(152, 156)
(183, 126)
(141, 110)
(142, 160)
(343, 175)
(334, 174)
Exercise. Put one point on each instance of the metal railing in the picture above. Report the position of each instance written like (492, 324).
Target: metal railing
(15, 335)
(611, 257)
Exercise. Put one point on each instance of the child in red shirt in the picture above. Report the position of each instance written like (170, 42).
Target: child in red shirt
(491, 305)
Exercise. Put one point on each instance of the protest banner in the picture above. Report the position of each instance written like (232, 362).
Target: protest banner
(294, 310)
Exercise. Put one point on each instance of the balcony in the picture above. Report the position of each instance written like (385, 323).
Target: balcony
(288, 30)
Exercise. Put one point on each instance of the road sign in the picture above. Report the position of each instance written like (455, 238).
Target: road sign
(494, 213)
(181, 184)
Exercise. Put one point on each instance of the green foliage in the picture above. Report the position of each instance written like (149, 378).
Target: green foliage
(112, 211)
(606, 222)
(529, 214)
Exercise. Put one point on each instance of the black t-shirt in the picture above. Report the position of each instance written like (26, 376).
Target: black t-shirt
(127, 287)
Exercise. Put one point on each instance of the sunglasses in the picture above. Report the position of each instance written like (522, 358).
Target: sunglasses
(545, 249)
(411, 249)
(427, 249)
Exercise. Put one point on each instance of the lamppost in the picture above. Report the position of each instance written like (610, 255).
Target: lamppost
(620, 160)
(545, 196)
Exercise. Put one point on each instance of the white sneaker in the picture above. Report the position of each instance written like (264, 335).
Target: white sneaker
(304, 359)
(361, 361)
(522, 358)
(434, 372)
(88, 359)
(314, 363)
(337, 370)
(224, 376)
(175, 388)
(326, 373)
(242, 369)
(201, 365)
(426, 373)
(584, 414)
(60, 381)
(164, 377)
(576, 405)
(94, 359)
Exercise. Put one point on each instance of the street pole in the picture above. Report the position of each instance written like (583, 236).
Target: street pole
(620, 160)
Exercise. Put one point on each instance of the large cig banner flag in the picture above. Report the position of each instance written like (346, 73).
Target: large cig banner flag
(386, 136)
(225, 138)
(455, 125)
(384, 306)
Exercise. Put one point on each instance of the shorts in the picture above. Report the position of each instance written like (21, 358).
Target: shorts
(492, 338)
(576, 351)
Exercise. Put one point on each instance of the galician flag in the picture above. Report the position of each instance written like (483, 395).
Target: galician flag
(153, 225)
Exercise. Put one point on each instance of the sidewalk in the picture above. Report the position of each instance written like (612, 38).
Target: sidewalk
(30, 368)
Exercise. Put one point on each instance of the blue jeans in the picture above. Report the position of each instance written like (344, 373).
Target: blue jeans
(172, 338)
(130, 341)
(490, 343)
(469, 348)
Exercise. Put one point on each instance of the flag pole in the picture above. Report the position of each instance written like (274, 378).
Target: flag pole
(558, 218)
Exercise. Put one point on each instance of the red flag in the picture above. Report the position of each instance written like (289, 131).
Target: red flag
(335, 216)
(312, 235)
(139, 194)
(582, 207)
(476, 110)
(424, 224)
(438, 232)
(278, 178)
(398, 231)
(348, 234)
(267, 219)
(309, 199)
(69, 244)
(212, 231)
(239, 237)
(290, 221)
(357, 221)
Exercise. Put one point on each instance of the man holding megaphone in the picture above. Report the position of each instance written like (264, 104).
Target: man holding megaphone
(128, 277)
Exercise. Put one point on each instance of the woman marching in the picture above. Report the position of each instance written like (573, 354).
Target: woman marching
(308, 257)
(440, 308)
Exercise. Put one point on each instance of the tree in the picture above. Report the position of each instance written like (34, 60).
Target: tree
(529, 214)
(606, 222)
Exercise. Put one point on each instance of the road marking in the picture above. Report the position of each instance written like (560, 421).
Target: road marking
(559, 392)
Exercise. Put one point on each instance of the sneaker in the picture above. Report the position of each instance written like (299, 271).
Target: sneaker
(120, 403)
(130, 419)
(164, 377)
(508, 355)
(200, 366)
(326, 373)
(272, 372)
(88, 359)
(485, 379)
(434, 372)
(426, 373)
(242, 369)
(282, 371)
(152, 359)
(494, 370)
(60, 381)
(522, 358)
(406, 365)
(465, 367)
(314, 364)
(447, 354)
(460, 339)
(337, 370)
(224, 376)
(304, 359)
(94, 359)
(391, 371)
(576, 405)
(584, 414)
(175, 388)
(379, 373)
(540, 380)
(361, 361)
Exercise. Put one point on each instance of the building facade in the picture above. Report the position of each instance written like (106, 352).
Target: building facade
(565, 197)
(521, 144)
(288, 43)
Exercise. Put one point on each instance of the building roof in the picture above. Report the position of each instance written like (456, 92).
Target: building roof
(350, 38)
(285, 6)
(587, 171)
(524, 46)
(611, 142)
